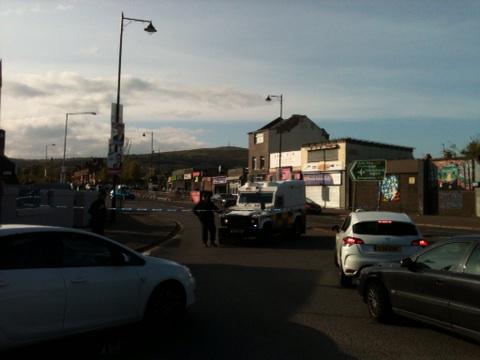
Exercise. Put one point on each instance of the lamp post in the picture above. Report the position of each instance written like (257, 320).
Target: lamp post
(63, 170)
(279, 131)
(149, 29)
(46, 158)
(151, 150)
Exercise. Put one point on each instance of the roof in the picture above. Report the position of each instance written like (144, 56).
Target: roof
(284, 125)
(362, 142)
(271, 124)
(379, 215)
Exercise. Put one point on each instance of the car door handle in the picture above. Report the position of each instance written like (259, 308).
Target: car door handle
(3, 283)
(79, 281)
(439, 282)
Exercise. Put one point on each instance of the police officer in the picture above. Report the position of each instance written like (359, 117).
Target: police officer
(205, 210)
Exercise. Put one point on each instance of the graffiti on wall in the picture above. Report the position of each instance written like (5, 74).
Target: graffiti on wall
(454, 174)
(390, 188)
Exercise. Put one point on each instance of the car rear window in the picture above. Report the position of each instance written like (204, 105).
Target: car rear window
(394, 228)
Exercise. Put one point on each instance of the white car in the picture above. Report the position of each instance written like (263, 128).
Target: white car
(59, 281)
(370, 237)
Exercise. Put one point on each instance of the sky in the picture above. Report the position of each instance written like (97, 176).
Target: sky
(398, 72)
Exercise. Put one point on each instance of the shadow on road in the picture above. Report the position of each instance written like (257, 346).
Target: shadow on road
(306, 242)
(241, 313)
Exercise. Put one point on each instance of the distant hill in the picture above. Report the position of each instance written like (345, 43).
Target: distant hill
(228, 156)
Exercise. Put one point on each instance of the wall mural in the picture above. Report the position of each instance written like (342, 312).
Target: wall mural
(454, 174)
(390, 188)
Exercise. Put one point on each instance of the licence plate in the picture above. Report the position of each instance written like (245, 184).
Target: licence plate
(236, 231)
(387, 248)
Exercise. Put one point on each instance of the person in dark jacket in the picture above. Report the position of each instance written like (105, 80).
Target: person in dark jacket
(98, 213)
(205, 210)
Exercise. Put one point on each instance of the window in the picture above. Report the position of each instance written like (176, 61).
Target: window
(346, 223)
(323, 155)
(254, 163)
(258, 138)
(256, 198)
(83, 250)
(262, 162)
(394, 228)
(28, 251)
(473, 263)
(446, 257)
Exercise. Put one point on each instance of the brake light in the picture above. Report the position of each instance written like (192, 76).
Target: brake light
(349, 240)
(384, 221)
(420, 242)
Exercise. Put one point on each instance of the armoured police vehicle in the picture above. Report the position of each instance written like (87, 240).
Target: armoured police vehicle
(265, 208)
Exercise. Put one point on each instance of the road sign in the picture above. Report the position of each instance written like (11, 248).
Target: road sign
(368, 170)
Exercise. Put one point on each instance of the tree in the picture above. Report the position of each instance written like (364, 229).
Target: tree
(472, 149)
(449, 152)
(131, 171)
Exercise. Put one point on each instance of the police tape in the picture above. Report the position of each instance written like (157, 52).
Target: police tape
(145, 210)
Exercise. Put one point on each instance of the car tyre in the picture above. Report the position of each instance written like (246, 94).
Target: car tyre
(265, 234)
(297, 229)
(166, 304)
(345, 281)
(378, 302)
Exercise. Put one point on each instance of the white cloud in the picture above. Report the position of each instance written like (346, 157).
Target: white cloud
(34, 108)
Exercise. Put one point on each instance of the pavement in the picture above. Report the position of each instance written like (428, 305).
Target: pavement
(435, 221)
(141, 232)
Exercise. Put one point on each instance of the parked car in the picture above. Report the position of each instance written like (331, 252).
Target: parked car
(440, 286)
(312, 207)
(60, 281)
(123, 194)
(369, 237)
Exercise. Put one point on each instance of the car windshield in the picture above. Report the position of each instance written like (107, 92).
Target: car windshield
(382, 227)
(256, 198)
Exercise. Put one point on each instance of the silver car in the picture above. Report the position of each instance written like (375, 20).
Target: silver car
(370, 237)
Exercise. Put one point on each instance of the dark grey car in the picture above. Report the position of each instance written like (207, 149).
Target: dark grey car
(440, 286)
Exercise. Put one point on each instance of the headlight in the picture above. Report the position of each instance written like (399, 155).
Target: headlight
(224, 221)
(254, 220)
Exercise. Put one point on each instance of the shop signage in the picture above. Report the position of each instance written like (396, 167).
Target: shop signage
(322, 179)
(220, 180)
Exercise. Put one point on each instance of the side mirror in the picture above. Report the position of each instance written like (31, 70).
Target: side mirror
(407, 263)
(336, 228)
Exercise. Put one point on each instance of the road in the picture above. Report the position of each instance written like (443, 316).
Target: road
(277, 301)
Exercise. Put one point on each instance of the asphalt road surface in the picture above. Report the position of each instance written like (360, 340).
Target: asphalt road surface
(271, 301)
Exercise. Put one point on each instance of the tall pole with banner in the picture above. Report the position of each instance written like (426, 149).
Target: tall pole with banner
(115, 147)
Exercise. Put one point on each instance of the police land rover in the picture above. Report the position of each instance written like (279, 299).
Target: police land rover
(266, 208)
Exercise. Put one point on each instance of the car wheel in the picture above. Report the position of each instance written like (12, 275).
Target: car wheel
(294, 232)
(266, 233)
(166, 304)
(377, 301)
(345, 281)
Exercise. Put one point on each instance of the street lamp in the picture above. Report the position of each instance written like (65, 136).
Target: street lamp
(280, 97)
(46, 158)
(149, 29)
(63, 170)
(151, 150)
(279, 132)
